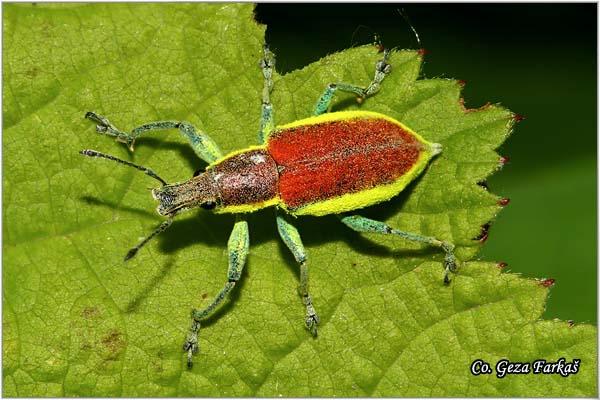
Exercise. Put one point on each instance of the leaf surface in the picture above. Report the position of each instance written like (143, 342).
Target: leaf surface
(77, 321)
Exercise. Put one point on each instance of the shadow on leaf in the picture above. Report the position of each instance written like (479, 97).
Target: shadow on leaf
(94, 201)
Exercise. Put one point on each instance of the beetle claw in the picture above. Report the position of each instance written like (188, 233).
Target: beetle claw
(191, 348)
(191, 343)
(104, 127)
(450, 267)
(450, 262)
(312, 320)
(446, 278)
(384, 67)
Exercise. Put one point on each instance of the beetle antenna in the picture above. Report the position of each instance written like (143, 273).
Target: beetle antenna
(405, 16)
(147, 171)
(131, 253)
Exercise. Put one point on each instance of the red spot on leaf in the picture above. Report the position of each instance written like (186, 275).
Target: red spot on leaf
(518, 117)
(504, 160)
(461, 101)
(462, 82)
(504, 202)
(502, 265)
(422, 52)
(483, 236)
(547, 282)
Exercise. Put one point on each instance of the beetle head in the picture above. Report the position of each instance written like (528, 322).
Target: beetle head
(200, 191)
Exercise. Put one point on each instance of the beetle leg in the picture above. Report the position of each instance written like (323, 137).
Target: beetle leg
(290, 236)
(382, 68)
(237, 247)
(362, 224)
(267, 64)
(202, 144)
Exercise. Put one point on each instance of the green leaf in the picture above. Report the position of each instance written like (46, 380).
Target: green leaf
(77, 321)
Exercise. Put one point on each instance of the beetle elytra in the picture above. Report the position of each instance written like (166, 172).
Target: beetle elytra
(330, 163)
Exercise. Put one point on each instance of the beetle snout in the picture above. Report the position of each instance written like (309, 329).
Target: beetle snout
(156, 195)
(165, 200)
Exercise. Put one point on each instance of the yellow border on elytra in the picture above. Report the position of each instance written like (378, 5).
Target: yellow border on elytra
(348, 115)
(246, 208)
(348, 201)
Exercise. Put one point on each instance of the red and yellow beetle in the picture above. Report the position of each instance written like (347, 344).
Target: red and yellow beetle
(330, 163)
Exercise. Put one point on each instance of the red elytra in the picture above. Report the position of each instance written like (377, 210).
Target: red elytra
(322, 161)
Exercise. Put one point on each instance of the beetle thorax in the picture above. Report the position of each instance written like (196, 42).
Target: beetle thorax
(246, 178)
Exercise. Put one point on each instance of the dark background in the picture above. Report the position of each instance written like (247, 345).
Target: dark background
(539, 60)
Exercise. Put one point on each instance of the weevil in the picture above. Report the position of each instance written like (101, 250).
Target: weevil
(330, 163)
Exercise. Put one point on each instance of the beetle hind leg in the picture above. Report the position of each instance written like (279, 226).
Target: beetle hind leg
(290, 236)
(382, 68)
(366, 225)
(267, 65)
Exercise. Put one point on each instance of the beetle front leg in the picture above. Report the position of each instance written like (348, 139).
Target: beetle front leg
(382, 68)
(290, 236)
(362, 224)
(237, 247)
(202, 144)
(267, 64)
